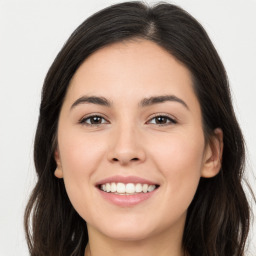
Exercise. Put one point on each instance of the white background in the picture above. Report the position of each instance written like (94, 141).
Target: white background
(31, 34)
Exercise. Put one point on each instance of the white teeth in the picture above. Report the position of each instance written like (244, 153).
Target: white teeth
(129, 188)
(120, 188)
(138, 188)
(145, 188)
(108, 188)
(151, 188)
(113, 187)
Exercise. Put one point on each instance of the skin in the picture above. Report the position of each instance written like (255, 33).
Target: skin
(129, 140)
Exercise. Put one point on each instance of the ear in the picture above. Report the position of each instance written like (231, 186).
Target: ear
(58, 172)
(213, 155)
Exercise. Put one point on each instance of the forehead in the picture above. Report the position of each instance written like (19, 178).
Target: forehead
(118, 70)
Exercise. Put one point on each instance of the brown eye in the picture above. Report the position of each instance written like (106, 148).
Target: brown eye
(93, 120)
(162, 120)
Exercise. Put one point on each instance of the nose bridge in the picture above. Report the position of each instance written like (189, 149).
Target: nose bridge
(125, 144)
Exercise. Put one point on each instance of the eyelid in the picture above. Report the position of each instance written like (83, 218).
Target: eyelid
(172, 119)
(84, 118)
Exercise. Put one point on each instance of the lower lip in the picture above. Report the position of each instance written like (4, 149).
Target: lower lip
(126, 200)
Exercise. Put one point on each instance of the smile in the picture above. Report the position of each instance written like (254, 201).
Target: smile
(127, 189)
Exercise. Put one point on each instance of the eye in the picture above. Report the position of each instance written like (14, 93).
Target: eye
(93, 120)
(162, 120)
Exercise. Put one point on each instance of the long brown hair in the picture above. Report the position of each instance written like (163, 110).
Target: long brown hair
(217, 221)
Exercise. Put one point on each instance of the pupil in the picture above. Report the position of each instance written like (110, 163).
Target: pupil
(96, 120)
(161, 120)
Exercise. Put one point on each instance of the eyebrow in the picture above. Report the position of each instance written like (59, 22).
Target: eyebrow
(92, 99)
(102, 101)
(160, 99)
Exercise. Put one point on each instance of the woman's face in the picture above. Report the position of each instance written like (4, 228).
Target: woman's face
(131, 122)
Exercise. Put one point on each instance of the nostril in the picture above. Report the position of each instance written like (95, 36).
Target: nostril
(133, 159)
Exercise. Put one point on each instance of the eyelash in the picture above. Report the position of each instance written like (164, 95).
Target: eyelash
(170, 120)
(84, 119)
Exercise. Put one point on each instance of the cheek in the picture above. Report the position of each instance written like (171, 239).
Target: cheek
(79, 154)
(180, 159)
(80, 158)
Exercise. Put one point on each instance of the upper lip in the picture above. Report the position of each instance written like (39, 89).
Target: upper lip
(125, 180)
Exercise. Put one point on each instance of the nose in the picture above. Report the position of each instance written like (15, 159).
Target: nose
(126, 147)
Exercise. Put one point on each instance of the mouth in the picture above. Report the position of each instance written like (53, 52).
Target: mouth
(127, 191)
(120, 188)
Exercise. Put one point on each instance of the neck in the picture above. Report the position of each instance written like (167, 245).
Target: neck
(164, 244)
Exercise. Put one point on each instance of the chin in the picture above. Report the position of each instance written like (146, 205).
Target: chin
(124, 229)
(129, 234)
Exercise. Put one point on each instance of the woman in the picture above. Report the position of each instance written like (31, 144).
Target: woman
(137, 149)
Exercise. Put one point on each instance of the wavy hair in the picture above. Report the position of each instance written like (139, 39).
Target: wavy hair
(217, 221)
